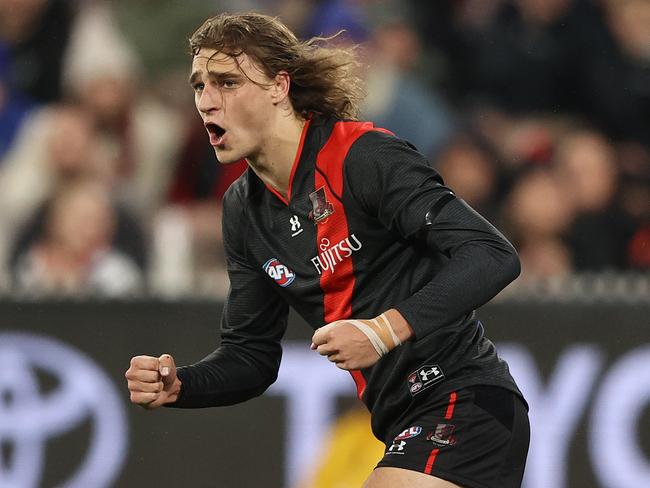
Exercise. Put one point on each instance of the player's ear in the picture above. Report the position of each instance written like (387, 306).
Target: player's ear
(280, 88)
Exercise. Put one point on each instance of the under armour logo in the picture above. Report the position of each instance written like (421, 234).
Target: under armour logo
(295, 226)
(397, 445)
(424, 374)
(423, 378)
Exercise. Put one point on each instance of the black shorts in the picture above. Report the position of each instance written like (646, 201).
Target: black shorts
(476, 437)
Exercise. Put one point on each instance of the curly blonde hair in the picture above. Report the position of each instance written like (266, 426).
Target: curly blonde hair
(324, 79)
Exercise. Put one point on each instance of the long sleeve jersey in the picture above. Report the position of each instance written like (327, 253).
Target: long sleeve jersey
(368, 225)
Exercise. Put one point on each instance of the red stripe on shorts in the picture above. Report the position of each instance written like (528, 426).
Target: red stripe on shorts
(450, 407)
(448, 415)
(430, 461)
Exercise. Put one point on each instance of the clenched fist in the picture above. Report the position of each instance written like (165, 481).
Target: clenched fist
(344, 345)
(152, 381)
(356, 344)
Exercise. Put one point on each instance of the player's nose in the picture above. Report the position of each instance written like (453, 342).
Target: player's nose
(210, 100)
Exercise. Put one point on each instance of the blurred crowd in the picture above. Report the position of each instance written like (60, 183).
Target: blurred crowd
(536, 112)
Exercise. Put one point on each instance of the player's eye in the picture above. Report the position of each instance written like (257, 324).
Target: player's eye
(198, 87)
(228, 83)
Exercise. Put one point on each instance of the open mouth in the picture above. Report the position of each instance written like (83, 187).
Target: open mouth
(216, 133)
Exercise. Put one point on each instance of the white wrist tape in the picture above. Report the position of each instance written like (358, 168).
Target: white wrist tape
(379, 332)
(384, 324)
(376, 342)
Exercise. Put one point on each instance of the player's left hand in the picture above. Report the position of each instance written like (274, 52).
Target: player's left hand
(344, 345)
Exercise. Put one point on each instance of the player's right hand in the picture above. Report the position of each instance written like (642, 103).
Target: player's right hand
(152, 381)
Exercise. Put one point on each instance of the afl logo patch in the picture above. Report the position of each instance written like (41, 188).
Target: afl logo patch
(408, 433)
(282, 275)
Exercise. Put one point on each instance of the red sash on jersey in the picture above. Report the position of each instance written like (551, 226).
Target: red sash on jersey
(338, 284)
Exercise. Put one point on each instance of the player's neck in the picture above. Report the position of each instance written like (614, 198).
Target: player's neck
(274, 161)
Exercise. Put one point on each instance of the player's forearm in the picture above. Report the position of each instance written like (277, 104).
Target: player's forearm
(400, 325)
(228, 376)
(476, 273)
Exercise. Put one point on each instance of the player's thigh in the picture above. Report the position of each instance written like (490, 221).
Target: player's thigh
(404, 478)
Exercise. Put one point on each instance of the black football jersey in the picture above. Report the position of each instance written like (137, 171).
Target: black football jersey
(368, 225)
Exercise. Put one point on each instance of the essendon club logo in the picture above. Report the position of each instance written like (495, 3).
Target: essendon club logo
(282, 275)
(442, 435)
(321, 208)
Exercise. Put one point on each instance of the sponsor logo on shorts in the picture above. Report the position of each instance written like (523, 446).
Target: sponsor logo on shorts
(408, 433)
(424, 377)
(282, 275)
(399, 442)
(442, 435)
(397, 447)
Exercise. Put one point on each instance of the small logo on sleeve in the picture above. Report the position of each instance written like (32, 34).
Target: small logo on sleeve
(424, 377)
(282, 275)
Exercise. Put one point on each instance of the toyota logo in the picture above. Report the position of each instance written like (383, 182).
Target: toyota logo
(29, 417)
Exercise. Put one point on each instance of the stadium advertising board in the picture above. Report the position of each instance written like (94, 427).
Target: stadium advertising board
(65, 419)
